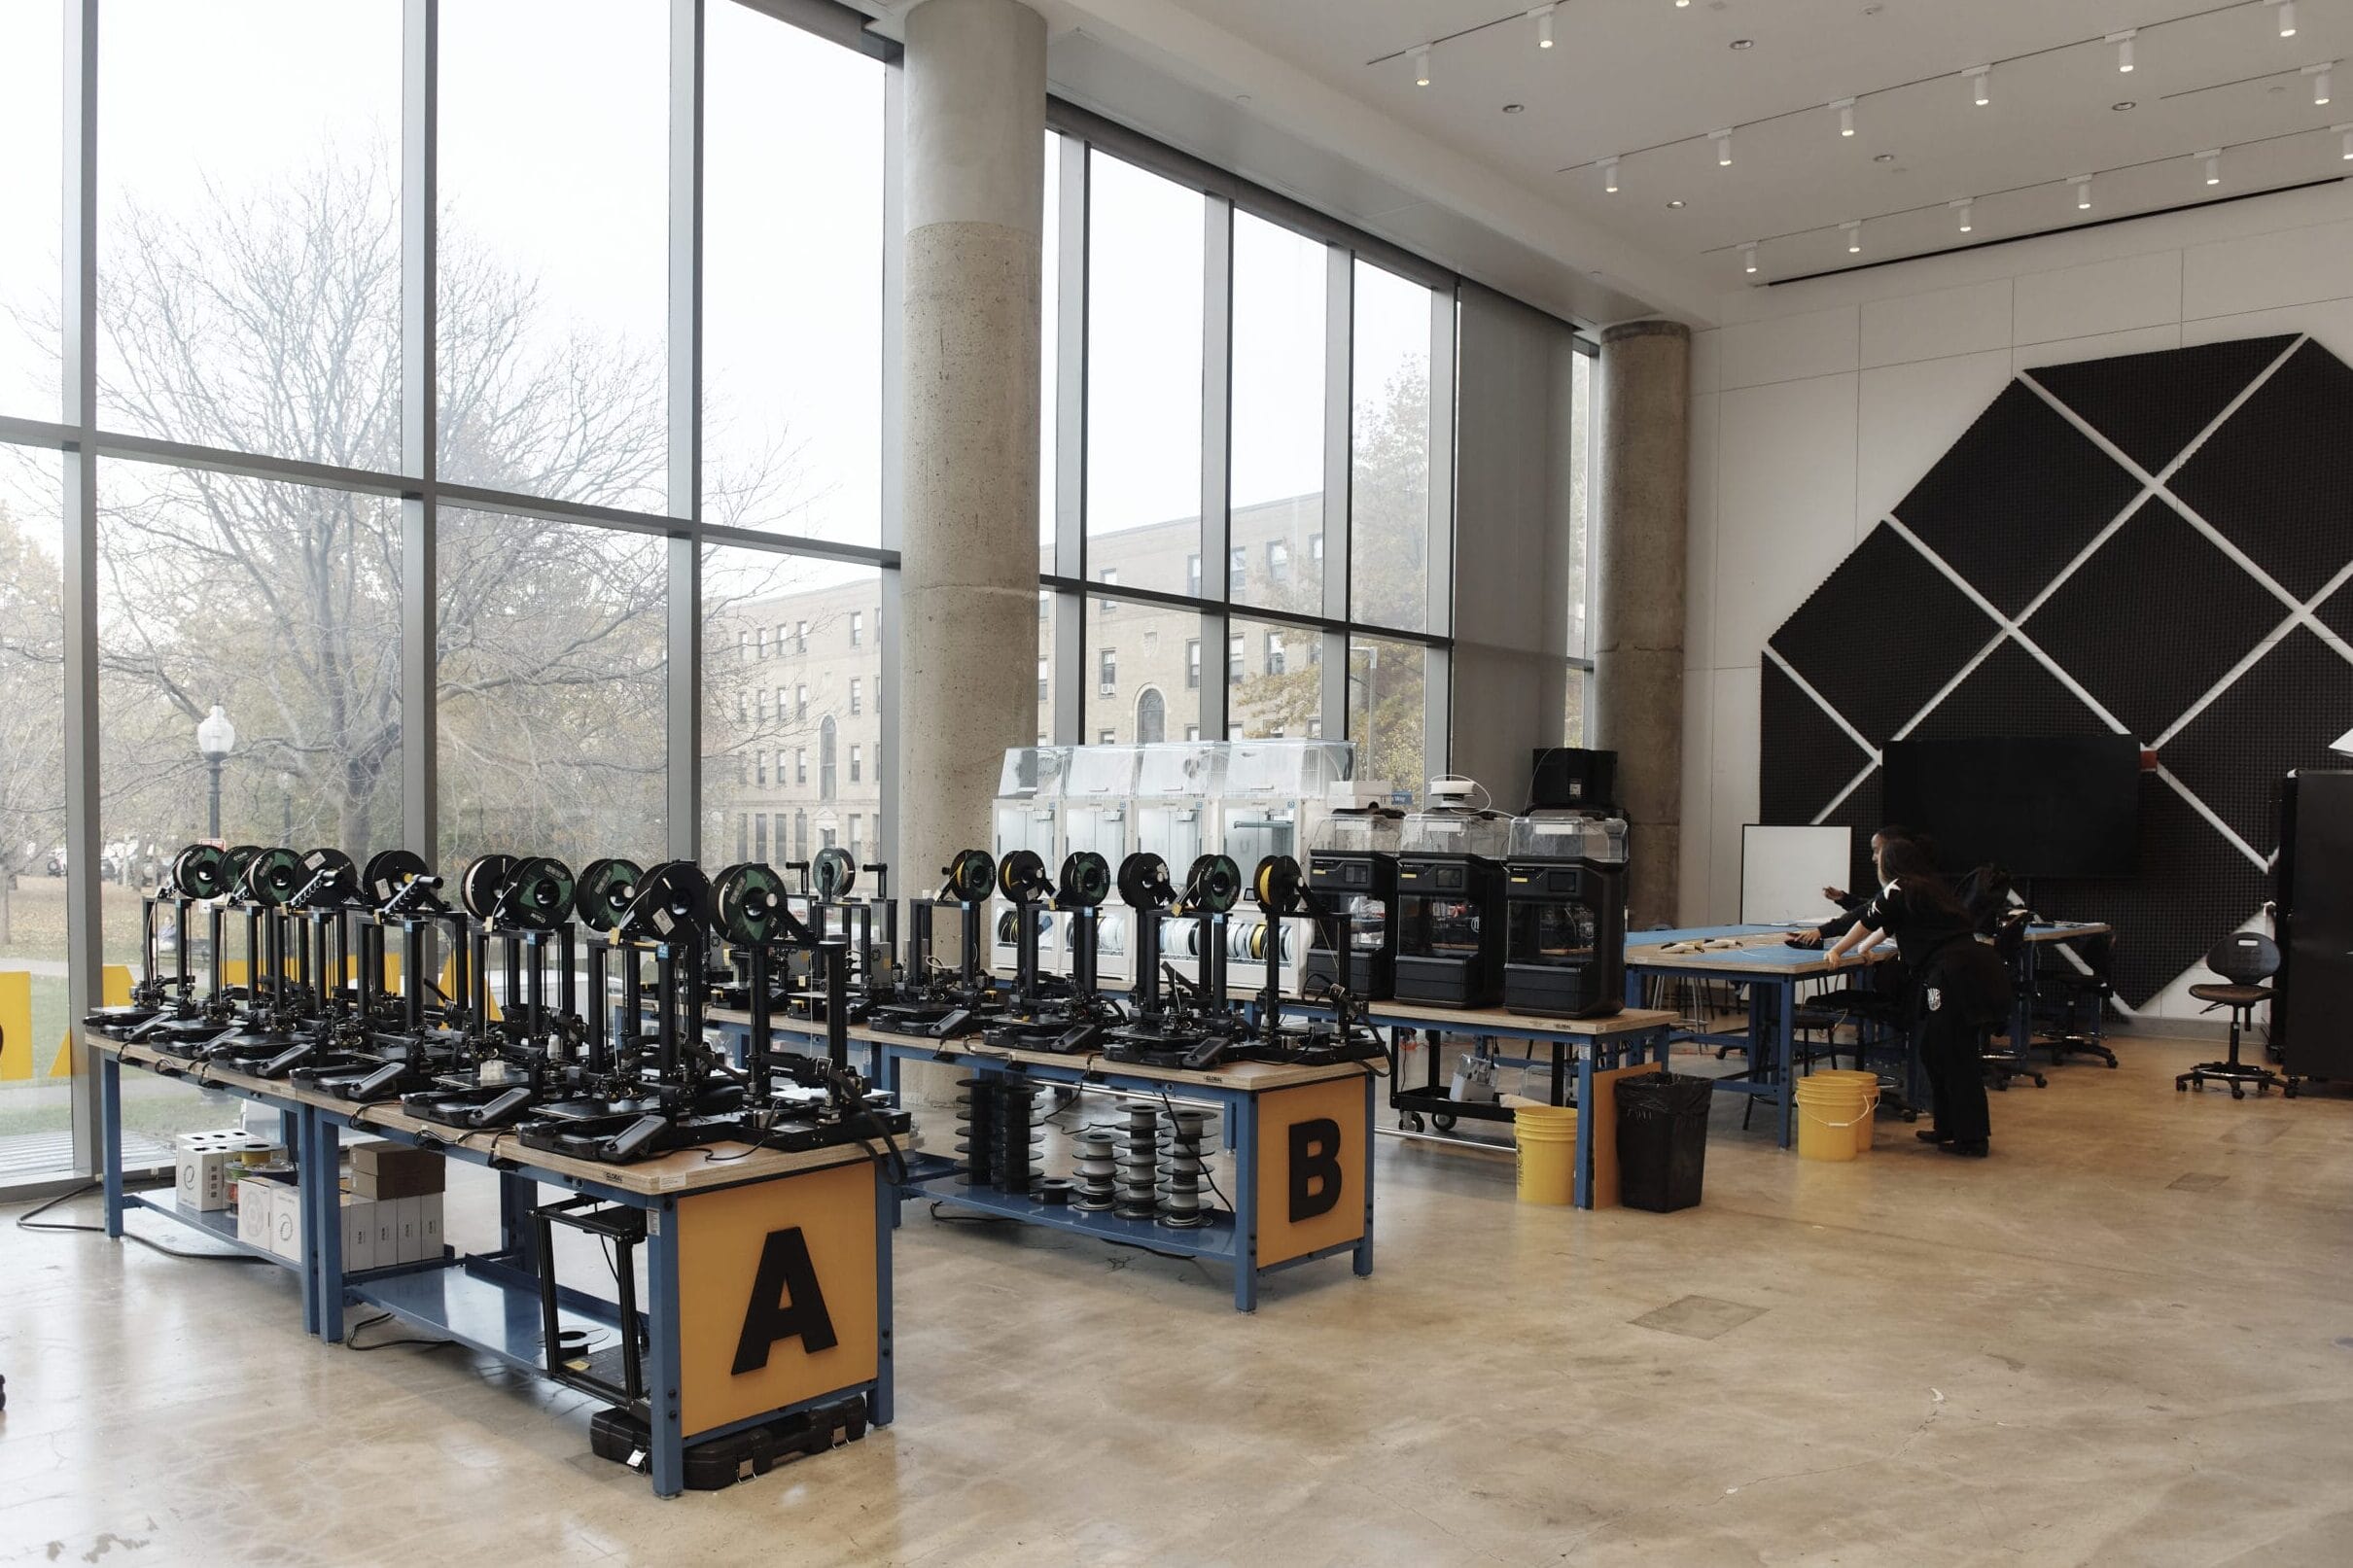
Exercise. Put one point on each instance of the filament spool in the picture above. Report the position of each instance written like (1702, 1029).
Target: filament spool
(1140, 1165)
(1018, 1134)
(1096, 1160)
(1183, 1169)
(976, 1129)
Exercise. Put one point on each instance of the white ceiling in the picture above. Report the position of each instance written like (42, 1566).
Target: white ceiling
(1628, 74)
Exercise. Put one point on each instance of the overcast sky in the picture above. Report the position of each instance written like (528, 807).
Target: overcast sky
(553, 158)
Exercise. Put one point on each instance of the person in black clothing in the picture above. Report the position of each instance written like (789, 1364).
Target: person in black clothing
(1961, 986)
(1849, 904)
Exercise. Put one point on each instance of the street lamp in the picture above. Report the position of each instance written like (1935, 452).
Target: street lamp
(215, 738)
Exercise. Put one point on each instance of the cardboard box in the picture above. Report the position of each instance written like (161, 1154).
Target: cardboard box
(203, 1160)
(428, 1225)
(409, 1217)
(359, 1233)
(257, 1204)
(386, 1218)
(286, 1220)
(385, 1171)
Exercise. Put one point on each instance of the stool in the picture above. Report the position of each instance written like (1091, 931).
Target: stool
(2244, 960)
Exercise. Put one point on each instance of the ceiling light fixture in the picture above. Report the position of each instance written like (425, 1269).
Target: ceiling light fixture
(1981, 84)
(1743, 43)
(2287, 18)
(2123, 106)
(2083, 191)
(1748, 257)
(1676, 205)
(1609, 174)
(2347, 131)
(1420, 53)
(1854, 236)
(2213, 158)
(1544, 23)
(1723, 141)
(2124, 48)
(2322, 76)
(1963, 207)
(1846, 109)
(1681, 4)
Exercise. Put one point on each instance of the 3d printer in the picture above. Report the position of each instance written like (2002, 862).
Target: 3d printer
(1565, 892)
(1351, 870)
(1450, 926)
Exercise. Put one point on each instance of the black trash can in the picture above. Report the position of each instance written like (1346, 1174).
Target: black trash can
(1662, 1139)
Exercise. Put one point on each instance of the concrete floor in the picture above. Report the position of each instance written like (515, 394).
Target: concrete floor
(2128, 1338)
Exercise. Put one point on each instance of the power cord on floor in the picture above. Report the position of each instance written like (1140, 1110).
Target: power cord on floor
(351, 1338)
(26, 1221)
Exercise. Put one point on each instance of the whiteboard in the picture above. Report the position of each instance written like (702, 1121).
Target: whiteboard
(1783, 871)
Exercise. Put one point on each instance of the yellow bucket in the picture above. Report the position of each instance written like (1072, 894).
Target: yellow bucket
(1829, 1109)
(1547, 1140)
(1869, 1084)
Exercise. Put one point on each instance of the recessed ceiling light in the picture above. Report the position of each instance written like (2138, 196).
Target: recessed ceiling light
(1883, 158)
(1677, 204)
(1514, 108)
(2120, 108)
(1743, 43)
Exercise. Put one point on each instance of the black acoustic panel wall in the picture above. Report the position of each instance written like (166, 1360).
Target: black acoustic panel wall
(1822, 756)
(1865, 812)
(2282, 714)
(2156, 570)
(2193, 888)
(2151, 406)
(2277, 479)
(2148, 627)
(2016, 499)
(2011, 693)
(2335, 611)
(1883, 633)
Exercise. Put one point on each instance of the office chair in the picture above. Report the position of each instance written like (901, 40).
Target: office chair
(2003, 1060)
(2078, 1002)
(2244, 960)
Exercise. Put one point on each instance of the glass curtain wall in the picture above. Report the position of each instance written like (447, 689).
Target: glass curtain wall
(430, 570)
(1266, 492)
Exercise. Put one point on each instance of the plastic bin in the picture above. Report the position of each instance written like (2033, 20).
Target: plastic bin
(1662, 1139)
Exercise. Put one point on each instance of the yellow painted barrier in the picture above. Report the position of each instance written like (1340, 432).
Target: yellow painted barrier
(16, 1024)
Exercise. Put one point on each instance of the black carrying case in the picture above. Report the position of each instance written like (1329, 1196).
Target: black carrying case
(615, 1434)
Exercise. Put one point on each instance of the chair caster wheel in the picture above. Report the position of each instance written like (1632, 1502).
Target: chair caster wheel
(2289, 1090)
(1411, 1122)
(2237, 1093)
(2040, 1082)
(2180, 1088)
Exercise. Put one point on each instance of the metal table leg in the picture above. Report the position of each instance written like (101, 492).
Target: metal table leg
(1581, 1187)
(1242, 1111)
(662, 1370)
(110, 1140)
(1785, 996)
(1364, 1248)
(324, 1150)
(886, 1215)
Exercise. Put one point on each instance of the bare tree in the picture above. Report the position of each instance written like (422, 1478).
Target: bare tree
(32, 697)
(271, 325)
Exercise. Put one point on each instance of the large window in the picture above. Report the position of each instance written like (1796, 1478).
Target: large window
(1390, 477)
(36, 1092)
(32, 120)
(554, 246)
(792, 300)
(1276, 484)
(825, 696)
(1144, 248)
(553, 687)
(249, 265)
(1139, 662)
(1388, 710)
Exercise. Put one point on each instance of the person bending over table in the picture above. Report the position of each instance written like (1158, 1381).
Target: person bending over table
(1962, 988)
(1851, 904)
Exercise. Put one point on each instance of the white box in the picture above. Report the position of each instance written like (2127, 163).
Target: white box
(428, 1225)
(386, 1218)
(203, 1160)
(286, 1220)
(409, 1217)
(257, 1203)
(359, 1233)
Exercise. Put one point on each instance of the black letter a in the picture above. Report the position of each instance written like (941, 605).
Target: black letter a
(784, 1302)
(1314, 1168)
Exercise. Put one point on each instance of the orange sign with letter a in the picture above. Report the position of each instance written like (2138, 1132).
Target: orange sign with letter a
(776, 1293)
(1310, 1169)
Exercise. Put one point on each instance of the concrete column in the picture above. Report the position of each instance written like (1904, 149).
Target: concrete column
(1642, 502)
(975, 93)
